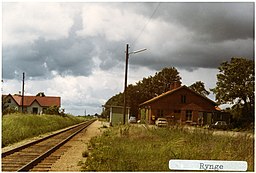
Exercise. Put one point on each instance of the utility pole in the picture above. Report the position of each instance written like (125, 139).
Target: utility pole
(127, 53)
(22, 96)
(125, 78)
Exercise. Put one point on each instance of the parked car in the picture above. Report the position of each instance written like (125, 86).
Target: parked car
(132, 120)
(219, 125)
(161, 122)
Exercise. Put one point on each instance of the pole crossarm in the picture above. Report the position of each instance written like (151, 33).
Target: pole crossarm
(137, 51)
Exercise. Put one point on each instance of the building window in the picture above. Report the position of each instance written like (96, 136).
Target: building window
(177, 111)
(189, 115)
(183, 99)
(9, 101)
(160, 113)
(35, 110)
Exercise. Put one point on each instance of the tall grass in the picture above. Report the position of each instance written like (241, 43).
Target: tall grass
(16, 127)
(138, 149)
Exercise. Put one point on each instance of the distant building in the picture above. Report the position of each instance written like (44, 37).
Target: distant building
(31, 104)
(181, 105)
(116, 114)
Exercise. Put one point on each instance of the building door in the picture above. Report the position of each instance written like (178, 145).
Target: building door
(35, 110)
(189, 115)
(200, 119)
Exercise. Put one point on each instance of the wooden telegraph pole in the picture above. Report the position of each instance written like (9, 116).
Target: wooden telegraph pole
(125, 79)
(126, 72)
(22, 96)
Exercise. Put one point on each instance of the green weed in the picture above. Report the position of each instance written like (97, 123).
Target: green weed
(137, 149)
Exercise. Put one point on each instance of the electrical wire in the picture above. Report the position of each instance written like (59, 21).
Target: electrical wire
(144, 27)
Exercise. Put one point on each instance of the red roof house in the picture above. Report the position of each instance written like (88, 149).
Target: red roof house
(31, 104)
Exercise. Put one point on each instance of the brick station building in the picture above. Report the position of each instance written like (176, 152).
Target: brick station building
(183, 106)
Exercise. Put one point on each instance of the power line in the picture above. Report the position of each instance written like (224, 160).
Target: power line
(144, 27)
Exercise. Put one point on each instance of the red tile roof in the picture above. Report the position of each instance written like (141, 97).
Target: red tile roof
(45, 101)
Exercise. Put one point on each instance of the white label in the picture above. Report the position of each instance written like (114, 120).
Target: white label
(208, 165)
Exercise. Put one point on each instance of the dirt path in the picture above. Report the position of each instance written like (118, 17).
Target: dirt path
(69, 161)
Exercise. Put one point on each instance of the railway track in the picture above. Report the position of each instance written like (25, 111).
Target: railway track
(41, 154)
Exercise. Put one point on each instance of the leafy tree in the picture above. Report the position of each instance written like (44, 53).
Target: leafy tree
(163, 79)
(235, 85)
(199, 88)
(145, 89)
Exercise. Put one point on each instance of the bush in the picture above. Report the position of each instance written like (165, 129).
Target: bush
(9, 110)
(52, 110)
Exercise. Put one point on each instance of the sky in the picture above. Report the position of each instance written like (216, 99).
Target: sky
(77, 50)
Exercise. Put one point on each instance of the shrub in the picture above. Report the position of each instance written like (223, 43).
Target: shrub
(52, 110)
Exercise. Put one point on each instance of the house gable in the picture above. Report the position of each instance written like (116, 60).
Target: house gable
(9, 100)
(179, 95)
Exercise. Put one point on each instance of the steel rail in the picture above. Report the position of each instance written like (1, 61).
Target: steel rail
(38, 159)
(6, 153)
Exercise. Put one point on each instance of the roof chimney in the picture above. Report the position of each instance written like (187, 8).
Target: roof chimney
(175, 84)
(41, 94)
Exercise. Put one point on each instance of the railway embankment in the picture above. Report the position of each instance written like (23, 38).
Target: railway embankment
(39, 155)
(18, 128)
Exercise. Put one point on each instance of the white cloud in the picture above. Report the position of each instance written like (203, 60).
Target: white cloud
(207, 76)
(25, 22)
(77, 93)
(166, 40)
(112, 22)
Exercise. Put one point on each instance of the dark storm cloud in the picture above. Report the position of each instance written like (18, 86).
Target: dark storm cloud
(217, 32)
(66, 56)
(110, 53)
(191, 56)
(216, 21)
(61, 56)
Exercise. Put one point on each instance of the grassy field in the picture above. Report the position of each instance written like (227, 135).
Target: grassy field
(133, 148)
(16, 127)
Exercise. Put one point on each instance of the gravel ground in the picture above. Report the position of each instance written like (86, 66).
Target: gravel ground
(70, 160)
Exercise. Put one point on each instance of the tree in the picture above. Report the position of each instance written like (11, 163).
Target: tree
(235, 85)
(163, 79)
(145, 89)
(199, 88)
